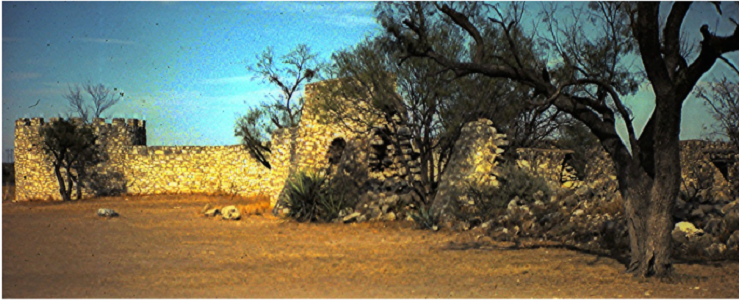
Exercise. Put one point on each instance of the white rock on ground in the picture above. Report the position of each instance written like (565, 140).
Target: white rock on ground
(107, 212)
(230, 213)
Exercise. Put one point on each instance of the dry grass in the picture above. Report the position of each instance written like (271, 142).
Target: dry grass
(258, 205)
(162, 247)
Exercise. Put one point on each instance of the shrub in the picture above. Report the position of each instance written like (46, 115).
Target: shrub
(489, 201)
(426, 218)
(313, 197)
(519, 183)
(304, 196)
(483, 204)
(340, 193)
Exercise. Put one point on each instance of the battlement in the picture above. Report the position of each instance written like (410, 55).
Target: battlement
(95, 122)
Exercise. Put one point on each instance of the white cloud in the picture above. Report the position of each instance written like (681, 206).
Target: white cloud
(343, 14)
(107, 41)
(350, 20)
(21, 76)
(227, 80)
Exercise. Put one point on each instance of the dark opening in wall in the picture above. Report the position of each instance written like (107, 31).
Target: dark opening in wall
(380, 154)
(335, 150)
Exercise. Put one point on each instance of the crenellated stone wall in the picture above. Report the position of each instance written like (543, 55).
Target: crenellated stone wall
(35, 178)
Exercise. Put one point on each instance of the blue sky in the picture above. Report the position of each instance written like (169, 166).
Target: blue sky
(182, 65)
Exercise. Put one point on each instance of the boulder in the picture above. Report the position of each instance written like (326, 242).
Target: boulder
(697, 213)
(703, 241)
(351, 217)
(733, 242)
(716, 250)
(107, 212)
(230, 213)
(714, 226)
(732, 207)
(684, 232)
(212, 212)
(706, 208)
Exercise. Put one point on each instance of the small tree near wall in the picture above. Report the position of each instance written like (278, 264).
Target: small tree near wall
(71, 148)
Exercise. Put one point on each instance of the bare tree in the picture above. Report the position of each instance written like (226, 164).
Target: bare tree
(723, 98)
(283, 109)
(101, 99)
(648, 177)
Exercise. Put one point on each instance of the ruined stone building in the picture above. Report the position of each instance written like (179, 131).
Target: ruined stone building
(380, 167)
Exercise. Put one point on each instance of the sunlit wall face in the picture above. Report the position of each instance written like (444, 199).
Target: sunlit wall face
(182, 65)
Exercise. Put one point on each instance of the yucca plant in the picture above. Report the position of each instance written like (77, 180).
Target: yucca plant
(305, 196)
(426, 218)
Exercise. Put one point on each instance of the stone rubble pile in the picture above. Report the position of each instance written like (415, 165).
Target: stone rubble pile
(229, 212)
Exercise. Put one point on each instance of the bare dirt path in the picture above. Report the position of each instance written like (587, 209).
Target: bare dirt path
(162, 247)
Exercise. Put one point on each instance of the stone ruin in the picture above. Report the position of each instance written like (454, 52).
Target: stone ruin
(381, 164)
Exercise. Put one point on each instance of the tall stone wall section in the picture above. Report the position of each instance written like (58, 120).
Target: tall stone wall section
(35, 176)
(306, 148)
(131, 167)
(477, 153)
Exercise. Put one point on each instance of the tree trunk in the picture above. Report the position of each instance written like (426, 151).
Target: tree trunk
(68, 196)
(62, 187)
(635, 188)
(650, 202)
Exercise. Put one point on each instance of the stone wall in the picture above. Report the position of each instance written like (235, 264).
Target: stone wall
(35, 177)
(186, 170)
(474, 162)
(131, 167)
(380, 159)
(134, 168)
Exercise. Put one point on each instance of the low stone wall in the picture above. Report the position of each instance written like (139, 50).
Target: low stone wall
(186, 170)
(551, 164)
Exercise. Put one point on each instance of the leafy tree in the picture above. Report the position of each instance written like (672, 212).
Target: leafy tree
(589, 87)
(577, 137)
(72, 148)
(283, 110)
(432, 104)
(101, 99)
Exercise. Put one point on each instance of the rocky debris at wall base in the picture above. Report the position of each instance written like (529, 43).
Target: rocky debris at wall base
(212, 212)
(230, 212)
(107, 212)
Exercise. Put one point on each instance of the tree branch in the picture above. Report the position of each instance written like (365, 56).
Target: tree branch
(464, 22)
(712, 47)
(671, 35)
(646, 31)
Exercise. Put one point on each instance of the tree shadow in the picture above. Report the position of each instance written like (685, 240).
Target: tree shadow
(619, 256)
(106, 184)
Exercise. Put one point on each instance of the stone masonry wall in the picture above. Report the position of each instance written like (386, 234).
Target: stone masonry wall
(35, 176)
(134, 168)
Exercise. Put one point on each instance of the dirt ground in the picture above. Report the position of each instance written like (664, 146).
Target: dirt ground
(162, 247)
